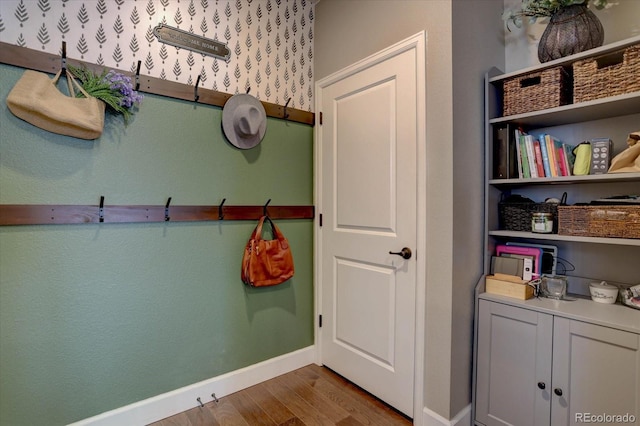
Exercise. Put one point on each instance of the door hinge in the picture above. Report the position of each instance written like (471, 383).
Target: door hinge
(320, 219)
(319, 320)
(321, 118)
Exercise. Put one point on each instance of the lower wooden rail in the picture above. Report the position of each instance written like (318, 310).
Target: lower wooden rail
(45, 214)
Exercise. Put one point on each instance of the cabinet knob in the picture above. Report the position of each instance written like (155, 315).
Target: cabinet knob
(558, 391)
(541, 385)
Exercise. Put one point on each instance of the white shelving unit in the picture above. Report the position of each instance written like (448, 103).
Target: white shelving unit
(612, 117)
(616, 260)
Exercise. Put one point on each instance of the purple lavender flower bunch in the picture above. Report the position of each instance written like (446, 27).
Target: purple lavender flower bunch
(122, 84)
(111, 87)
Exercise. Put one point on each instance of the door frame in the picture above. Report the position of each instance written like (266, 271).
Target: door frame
(417, 43)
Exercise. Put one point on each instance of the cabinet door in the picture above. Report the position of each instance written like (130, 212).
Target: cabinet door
(597, 369)
(513, 365)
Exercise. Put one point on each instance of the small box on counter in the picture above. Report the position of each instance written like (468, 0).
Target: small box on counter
(508, 285)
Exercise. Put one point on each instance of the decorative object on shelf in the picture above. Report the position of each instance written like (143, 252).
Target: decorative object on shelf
(244, 121)
(266, 262)
(554, 286)
(36, 99)
(582, 164)
(603, 292)
(612, 74)
(631, 296)
(600, 155)
(111, 87)
(629, 159)
(542, 223)
(572, 28)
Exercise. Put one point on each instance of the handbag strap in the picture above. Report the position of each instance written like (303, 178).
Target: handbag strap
(55, 78)
(257, 233)
(71, 81)
(276, 231)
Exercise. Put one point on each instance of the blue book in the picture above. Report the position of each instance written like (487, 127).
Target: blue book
(545, 155)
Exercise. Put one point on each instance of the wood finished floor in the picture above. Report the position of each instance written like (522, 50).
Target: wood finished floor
(312, 395)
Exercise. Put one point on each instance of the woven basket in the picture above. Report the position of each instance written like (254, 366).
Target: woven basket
(608, 75)
(535, 91)
(599, 221)
(517, 216)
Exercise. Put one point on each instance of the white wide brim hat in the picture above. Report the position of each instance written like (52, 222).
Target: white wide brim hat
(244, 121)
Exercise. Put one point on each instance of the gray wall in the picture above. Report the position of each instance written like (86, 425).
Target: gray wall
(477, 46)
(464, 39)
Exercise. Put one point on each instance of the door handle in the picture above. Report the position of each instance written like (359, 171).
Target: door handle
(405, 253)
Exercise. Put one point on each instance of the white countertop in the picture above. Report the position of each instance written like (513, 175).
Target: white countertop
(584, 309)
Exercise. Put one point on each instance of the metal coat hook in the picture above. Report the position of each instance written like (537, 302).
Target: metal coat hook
(213, 395)
(64, 56)
(200, 402)
(101, 209)
(220, 212)
(167, 218)
(264, 209)
(195, 89)
(138, 75)
(285, 115)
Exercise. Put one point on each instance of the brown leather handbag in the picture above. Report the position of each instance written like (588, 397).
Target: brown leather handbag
(266, 262)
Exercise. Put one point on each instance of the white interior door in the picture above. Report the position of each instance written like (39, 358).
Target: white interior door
(368, 179)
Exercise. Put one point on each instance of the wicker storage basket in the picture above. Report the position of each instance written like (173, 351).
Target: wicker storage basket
(517, 216)
(607, 75)
(599, 221)
(535, 91)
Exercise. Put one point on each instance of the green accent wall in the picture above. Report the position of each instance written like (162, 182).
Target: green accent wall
(97, 316)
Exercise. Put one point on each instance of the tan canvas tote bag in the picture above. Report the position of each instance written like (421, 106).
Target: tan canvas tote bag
(36, 99)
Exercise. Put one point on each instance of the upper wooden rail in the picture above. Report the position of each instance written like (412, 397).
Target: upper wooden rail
(43, 214)
(50, 63)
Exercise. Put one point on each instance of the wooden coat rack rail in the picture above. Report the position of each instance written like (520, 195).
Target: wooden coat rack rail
(49, 63)
(45, 214)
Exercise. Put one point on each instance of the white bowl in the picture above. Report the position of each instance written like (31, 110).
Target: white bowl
(603, 292)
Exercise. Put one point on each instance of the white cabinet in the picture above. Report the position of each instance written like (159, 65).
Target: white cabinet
(514, 355)
(596, 370)
(538, 368)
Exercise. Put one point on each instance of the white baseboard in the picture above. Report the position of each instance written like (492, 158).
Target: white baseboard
(431, 418)
(179, 400)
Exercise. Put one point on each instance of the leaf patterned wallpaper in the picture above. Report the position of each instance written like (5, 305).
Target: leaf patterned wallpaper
(271, 41)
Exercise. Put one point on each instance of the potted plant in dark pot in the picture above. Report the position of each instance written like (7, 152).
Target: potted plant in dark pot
(572, 26)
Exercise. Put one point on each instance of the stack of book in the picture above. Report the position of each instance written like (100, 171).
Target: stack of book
(518, 154)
